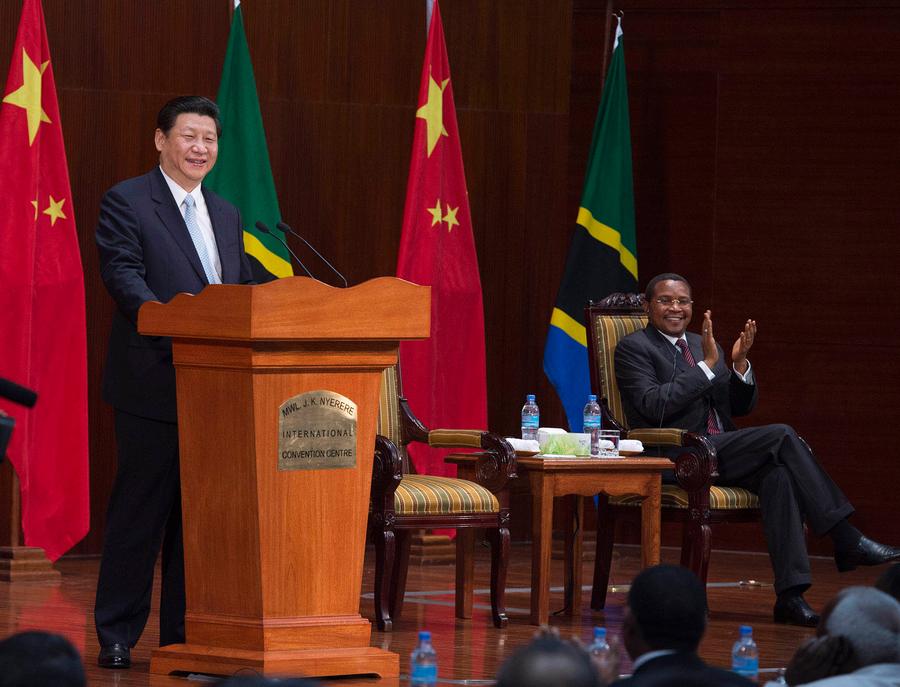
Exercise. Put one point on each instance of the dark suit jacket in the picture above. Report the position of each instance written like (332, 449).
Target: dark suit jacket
(683, 669)
(146, 254)
(660, 389)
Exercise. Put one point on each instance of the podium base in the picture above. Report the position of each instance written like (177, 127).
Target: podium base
(212, 660)
(26, 564)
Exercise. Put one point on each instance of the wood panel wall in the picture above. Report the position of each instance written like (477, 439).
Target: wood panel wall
(765, 148)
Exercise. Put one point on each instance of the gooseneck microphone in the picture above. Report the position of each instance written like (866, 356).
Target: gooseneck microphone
(17, 394)
(265, 230)
(286, 229)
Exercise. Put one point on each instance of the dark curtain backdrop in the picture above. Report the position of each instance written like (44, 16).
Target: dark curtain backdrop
(765, 142)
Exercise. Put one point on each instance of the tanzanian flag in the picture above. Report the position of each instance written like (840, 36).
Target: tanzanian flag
(603, 256)
(243, 174)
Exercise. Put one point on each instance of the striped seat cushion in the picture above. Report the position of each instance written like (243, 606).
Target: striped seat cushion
(720, 498)
(424, 494)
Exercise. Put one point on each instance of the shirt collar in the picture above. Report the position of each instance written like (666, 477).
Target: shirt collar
(650, 655)
(672, 339)
(179, 194)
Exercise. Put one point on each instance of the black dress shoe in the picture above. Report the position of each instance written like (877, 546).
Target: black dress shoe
(114, 656)
(866, 552)
(793, 610)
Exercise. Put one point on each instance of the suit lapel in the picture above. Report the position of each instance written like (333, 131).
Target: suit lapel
(170, 216)
(218, 218)
(666, 349)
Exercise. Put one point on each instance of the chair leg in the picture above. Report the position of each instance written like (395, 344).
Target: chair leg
(401, 566)
(465, 571)
(606, 527)
(384, 568)
(696, 544)
(499, 539)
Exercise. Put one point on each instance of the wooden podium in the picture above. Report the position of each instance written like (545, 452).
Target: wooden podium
(273, 551)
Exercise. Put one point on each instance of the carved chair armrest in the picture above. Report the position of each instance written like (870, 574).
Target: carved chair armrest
(497, 463)
(387, 469)
(413, 428)
(696, 469)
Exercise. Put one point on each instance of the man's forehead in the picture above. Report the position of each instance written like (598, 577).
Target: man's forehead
(671, 285)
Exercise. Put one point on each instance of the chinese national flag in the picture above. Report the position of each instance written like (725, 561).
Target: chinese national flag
(42, 344)
(443, 376)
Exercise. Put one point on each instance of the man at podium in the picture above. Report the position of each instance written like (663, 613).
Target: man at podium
(158, 235)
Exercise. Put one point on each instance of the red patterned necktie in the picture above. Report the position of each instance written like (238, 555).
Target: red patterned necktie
(712, 426)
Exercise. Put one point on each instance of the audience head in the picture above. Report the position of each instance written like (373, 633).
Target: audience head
(666, 610)
(40, 659)
(889, 582)
(262, 681)
(869, 619)
(548, 662)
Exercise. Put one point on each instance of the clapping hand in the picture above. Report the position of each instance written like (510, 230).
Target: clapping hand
(742, 346)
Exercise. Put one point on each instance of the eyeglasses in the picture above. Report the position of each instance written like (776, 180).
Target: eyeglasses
(667, 302)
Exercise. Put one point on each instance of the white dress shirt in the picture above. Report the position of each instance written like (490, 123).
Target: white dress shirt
(202, 214)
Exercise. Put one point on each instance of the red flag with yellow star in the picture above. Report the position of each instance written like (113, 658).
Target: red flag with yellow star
(443, 376)
(42, 344)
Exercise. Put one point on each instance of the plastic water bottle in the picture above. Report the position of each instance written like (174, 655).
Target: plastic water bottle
(531, 418)
(745, 655)
(423, 669)
(592, 423)
(604, 657)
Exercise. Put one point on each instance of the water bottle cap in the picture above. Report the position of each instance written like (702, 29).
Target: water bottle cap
(746, 630)
(424, 636)
(592, 398)
(599, 633)
(530, 398)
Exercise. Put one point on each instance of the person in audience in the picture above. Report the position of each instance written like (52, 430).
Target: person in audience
(889, 582)
(669, 377)
(664, 622)
(40, 659)
(858, 643)
(549, 661)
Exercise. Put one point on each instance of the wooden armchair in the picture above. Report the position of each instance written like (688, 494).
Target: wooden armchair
(695, 500)
(402, 501)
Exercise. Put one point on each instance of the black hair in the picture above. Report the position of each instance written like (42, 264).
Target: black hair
(40, 659)
(548, 662)
(187, 104)
(665, 276)
(668, 605)
(262, 681)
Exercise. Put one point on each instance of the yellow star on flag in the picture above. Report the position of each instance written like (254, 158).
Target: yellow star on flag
(433, 112)
(28, 95)
(450, 218)
(435, 213)
(55, 210)
(34, 202)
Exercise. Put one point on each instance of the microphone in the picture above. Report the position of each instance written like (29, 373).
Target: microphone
(265, 230)
(662, 413)
(17, 394)
(286, 229)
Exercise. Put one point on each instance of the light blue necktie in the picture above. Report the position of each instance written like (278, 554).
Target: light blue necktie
(190, 219)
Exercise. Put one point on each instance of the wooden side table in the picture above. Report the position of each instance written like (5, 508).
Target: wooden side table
(550, 477)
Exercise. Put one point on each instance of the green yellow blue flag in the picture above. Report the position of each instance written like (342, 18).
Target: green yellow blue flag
(603, 255)
(243, 174)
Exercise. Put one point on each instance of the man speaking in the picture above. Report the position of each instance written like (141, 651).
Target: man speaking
(158, 235)
(670, 377)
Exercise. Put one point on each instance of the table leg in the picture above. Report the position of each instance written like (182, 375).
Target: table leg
(650, 516)
(572, 555)
(542, 535)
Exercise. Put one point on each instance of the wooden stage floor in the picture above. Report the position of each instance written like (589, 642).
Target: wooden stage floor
(469, 651)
